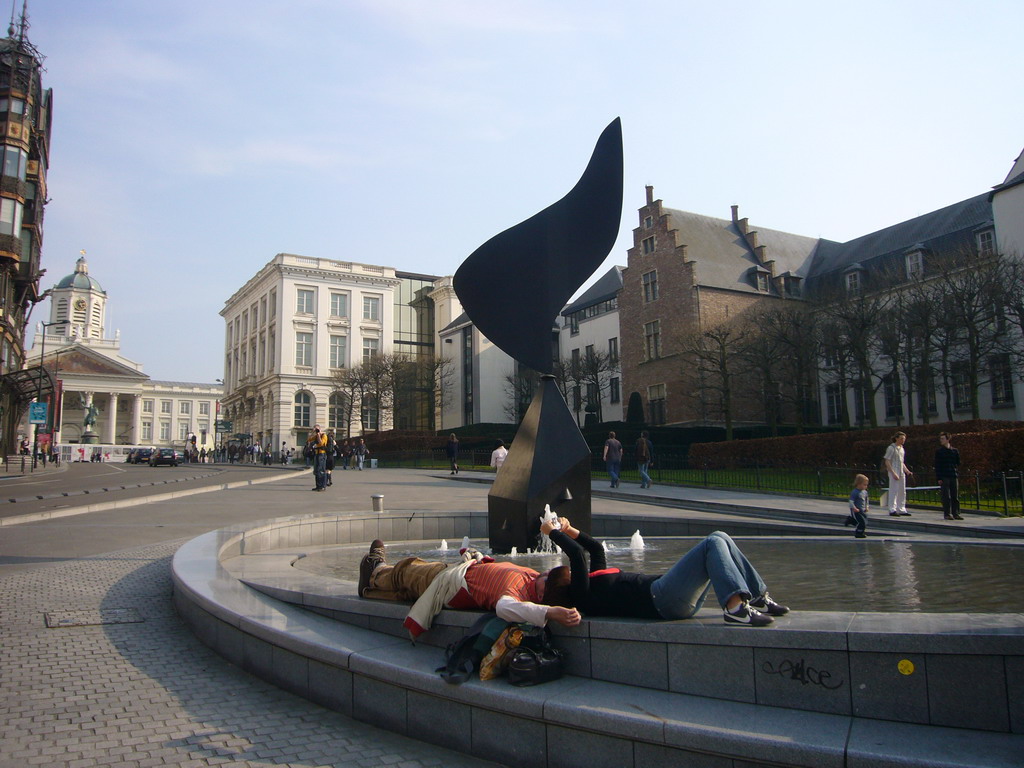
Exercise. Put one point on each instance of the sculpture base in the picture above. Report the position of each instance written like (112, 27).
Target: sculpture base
(90, 438)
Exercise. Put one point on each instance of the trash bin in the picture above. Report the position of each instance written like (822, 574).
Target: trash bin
(377, 500)
(373, 463)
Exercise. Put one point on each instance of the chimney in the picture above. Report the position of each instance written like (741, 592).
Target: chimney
(650, 194)
(752, 239)
(741, 225)
(770, 263)
(735, 213)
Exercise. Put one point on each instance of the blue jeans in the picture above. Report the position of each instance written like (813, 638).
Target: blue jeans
(645, 479)
(613, 471)
(320, 470)
(717, 562)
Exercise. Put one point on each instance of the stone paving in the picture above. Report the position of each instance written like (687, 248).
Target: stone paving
(147, 693)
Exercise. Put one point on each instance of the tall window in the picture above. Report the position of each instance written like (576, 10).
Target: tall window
(339, 305)
(339, 351)
(656, 409)
(182, 430)
(304, 348)
(893, 397)
(648, 222)
(11, 212)
(371, 348)
(165, 431)
(371, 308)
(613, 351)
(147, 406)
(15, 161)
(647, 244)
(834, 403)
(204, 408)
(147, 431)
(304, 301)
(370, 413)
(650, 284)
(961, 386)
(273, 304)
(165, 406)
(862, 394)
(614, 390)
(1002, 380)
(336, 411)
(467, 376)
(185, 407)
(303, 405)
(652, 340)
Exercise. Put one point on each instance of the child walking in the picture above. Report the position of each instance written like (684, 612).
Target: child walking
(859, 506)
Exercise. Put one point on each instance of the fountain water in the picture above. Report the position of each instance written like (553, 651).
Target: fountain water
(636, 541)
(444, 545)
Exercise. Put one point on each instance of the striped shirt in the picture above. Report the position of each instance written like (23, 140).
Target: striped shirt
(488, 582)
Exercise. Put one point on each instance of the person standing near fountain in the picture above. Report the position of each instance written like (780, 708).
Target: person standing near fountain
(947, 460)
(451, 449)
(679, 594)
(898, 471)
(613, 458)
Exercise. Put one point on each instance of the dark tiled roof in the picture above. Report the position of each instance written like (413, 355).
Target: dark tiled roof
(606, 288)
(723, 257)
(966, 215)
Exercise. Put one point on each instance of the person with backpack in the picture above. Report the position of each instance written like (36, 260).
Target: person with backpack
(644, 454)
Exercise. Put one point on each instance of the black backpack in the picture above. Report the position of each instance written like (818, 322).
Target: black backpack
(462, 658)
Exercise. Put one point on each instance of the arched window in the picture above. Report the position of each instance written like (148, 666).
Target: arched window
(337, 411)
(303, 403)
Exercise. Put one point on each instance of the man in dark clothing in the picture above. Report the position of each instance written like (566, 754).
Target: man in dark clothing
(679, 594)
(947, 460)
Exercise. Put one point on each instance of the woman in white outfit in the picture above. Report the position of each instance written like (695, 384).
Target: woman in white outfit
(897, 469)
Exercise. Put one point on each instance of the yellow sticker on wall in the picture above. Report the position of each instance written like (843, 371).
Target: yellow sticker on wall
(906, 667)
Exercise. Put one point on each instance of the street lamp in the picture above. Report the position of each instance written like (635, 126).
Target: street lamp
(39, 390)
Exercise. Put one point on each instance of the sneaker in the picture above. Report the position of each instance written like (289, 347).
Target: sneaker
(957, 517)
(860, 535)
(746, 615)
(369, 563)
(894, 514)
(906, 514)
(765, 604)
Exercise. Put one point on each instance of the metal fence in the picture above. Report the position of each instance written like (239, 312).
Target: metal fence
(1001, 492)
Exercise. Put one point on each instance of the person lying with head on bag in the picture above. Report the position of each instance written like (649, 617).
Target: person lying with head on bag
(601, 591)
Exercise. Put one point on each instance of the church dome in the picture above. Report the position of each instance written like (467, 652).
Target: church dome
(80, 278)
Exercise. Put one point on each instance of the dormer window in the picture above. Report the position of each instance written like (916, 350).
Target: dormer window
(792, 285)
(986, 243)
(914, 262)
(761, 279)
(853, 282)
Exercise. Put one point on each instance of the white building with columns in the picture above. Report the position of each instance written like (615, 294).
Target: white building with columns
(131, 408)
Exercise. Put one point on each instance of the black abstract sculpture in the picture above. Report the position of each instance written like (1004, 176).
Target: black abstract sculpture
(513, 287)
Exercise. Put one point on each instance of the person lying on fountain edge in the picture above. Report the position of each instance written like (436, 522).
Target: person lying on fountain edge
(513, 592)
(679, 594)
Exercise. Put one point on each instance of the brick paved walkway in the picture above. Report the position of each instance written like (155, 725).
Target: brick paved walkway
(147, 693)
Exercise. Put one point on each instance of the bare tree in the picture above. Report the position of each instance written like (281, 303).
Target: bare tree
(711, 361)
(791, 349)
(520, 386)
(596, 372)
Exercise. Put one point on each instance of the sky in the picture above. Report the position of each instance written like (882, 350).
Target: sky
(195, 139)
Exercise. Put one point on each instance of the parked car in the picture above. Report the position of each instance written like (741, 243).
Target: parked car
(164, 456)
(140, 455)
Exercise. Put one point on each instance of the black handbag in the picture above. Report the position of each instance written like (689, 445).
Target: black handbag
(536, 660)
